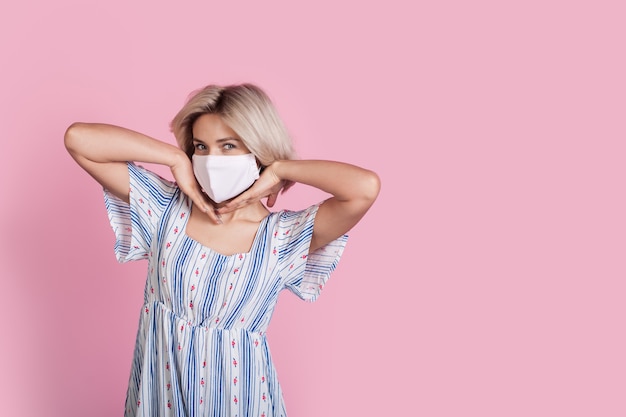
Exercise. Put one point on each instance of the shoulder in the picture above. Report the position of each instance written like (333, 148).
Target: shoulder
(287, 225)
(285, 218)
(144, 175)
(148, 189)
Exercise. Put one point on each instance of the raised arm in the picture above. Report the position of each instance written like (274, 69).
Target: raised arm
(103, 151)
(353, 191)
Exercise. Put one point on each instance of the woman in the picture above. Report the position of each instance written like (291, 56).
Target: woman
(217, 257)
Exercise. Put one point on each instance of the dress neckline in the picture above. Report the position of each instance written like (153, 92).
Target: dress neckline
(262, 226)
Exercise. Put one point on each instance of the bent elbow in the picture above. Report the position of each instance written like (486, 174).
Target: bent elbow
(370, 187)
(72, 134)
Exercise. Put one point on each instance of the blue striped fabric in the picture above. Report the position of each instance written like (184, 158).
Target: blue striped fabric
(201, 348)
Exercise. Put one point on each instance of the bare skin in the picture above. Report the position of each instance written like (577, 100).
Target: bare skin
(229, 227)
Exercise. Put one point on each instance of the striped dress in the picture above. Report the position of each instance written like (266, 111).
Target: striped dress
(201, 348)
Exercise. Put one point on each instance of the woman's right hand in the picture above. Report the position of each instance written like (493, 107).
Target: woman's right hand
(182, 170)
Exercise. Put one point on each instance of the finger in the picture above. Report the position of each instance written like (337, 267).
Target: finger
(213, 215)
(200, 202)
(241, 201)
(271, 199)
(232, 206)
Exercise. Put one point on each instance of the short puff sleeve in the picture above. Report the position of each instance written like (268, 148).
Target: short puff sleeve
(135, 224)
(304, 273)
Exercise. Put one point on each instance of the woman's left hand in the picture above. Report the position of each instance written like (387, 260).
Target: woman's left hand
(268, 185)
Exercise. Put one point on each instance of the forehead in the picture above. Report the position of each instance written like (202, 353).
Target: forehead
(211, 127)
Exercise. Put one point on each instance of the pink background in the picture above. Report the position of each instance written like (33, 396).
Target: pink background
(487, 280)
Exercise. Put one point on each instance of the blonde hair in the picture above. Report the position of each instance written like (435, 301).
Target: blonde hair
(247, 110)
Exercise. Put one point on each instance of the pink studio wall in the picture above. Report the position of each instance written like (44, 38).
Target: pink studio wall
(488, 280)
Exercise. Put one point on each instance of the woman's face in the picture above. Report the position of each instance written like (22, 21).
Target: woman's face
(211, 136)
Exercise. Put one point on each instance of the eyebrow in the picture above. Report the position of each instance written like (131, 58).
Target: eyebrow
(221, 140)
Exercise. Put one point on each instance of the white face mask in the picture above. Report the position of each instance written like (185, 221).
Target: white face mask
(223, 177)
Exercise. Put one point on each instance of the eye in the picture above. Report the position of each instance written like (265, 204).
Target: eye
(229, 146)
(199, 146)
